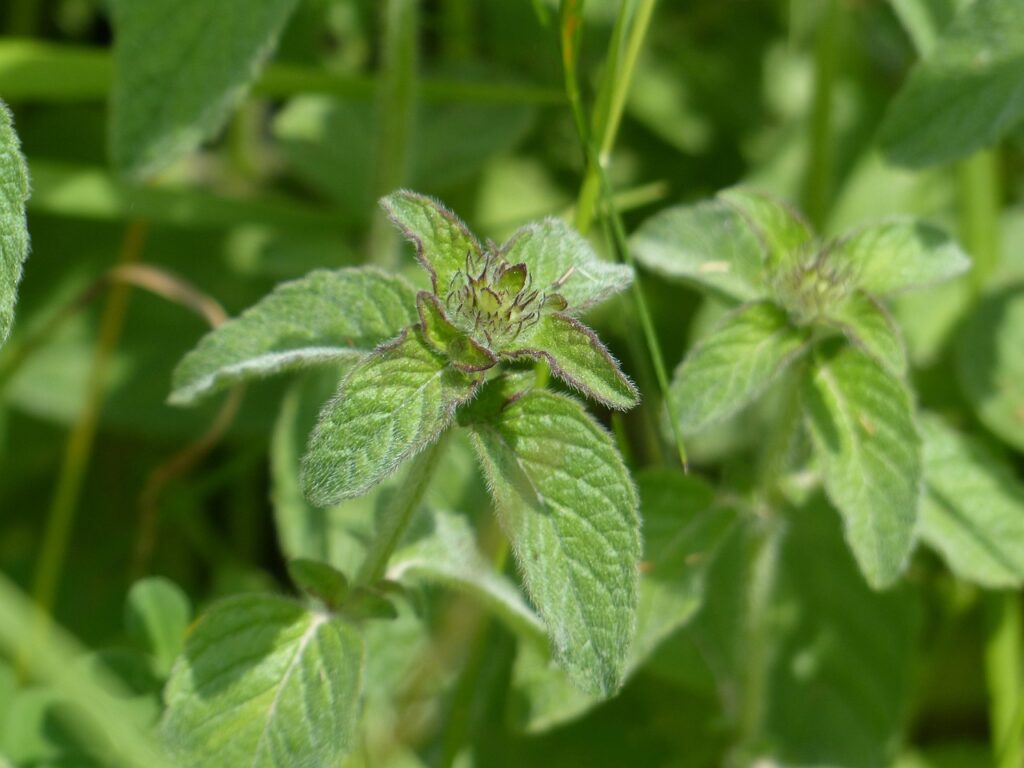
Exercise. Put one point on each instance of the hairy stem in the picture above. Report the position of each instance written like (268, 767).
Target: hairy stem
(398, 513)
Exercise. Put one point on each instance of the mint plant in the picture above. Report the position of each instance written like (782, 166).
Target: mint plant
(450, 531)
(816, 307)
(418, 363)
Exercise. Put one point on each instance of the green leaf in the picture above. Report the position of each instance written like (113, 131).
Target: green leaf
(709, 244)
(899, 255)
(734, 364)
(180, 68)
(862, 423)
(336, 535)
(443, 242)
(870, 327)
(966, 93)
(839, 658)
(319, 580)
(561, 259)
(448, 555)
(682, 533)
(445, 339)
(567, 503)
(264, 682)
(14, 192)
(393, 403)
(157, 613)
(784, 235)
(325, 317)
(973, 510)
(578, 358)
(990, 363)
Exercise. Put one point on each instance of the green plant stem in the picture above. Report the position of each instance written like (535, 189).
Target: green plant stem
(31, 70)
(980, 193)
(398, 513)
(571, 30)
(760, 630)
(459, 21)
(1004, 672)
(61, 518)
(611, 99)
(818, 182)
(396, 108)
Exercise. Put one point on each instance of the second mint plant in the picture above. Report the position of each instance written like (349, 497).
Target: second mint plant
(418, 363)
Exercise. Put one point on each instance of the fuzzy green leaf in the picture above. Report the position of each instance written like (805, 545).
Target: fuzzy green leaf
(264, 683)
(973, 511)
(899, 255)
(783, 233)
(325, 317)
(734, 364)
(568, 505)
(448, 555)
(442, 241)
(682, 532)
(862, 423)
(393, 403)
(157, 613)
(990, 363)
(14, 191)
(578, 358)
(319, 580)
(869, 326)
(445, 339)
(966, 94)
(180, 68)
(709, 244)
(555, 252)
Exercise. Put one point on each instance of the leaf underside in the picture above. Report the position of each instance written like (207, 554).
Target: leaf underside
(325, 317)
(14, 191)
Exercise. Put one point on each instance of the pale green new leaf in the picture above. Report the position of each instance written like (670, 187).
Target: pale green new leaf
(264, 683)
(157, 613)
(448, 555)
(394, 403)
(324, 317)
(784, 235)
(180, 68)
(557, 255)
(868, 325)
(973, 510)
(682, 533)
(899, 255)
(578, 358)
(966, 94)
(862, 422)
(568, 505)
(708, 243)
(14, 191)
(443, 242)
(990, 363)
(734, 364)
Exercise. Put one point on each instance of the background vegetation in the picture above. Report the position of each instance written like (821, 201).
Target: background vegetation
(159, 208)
